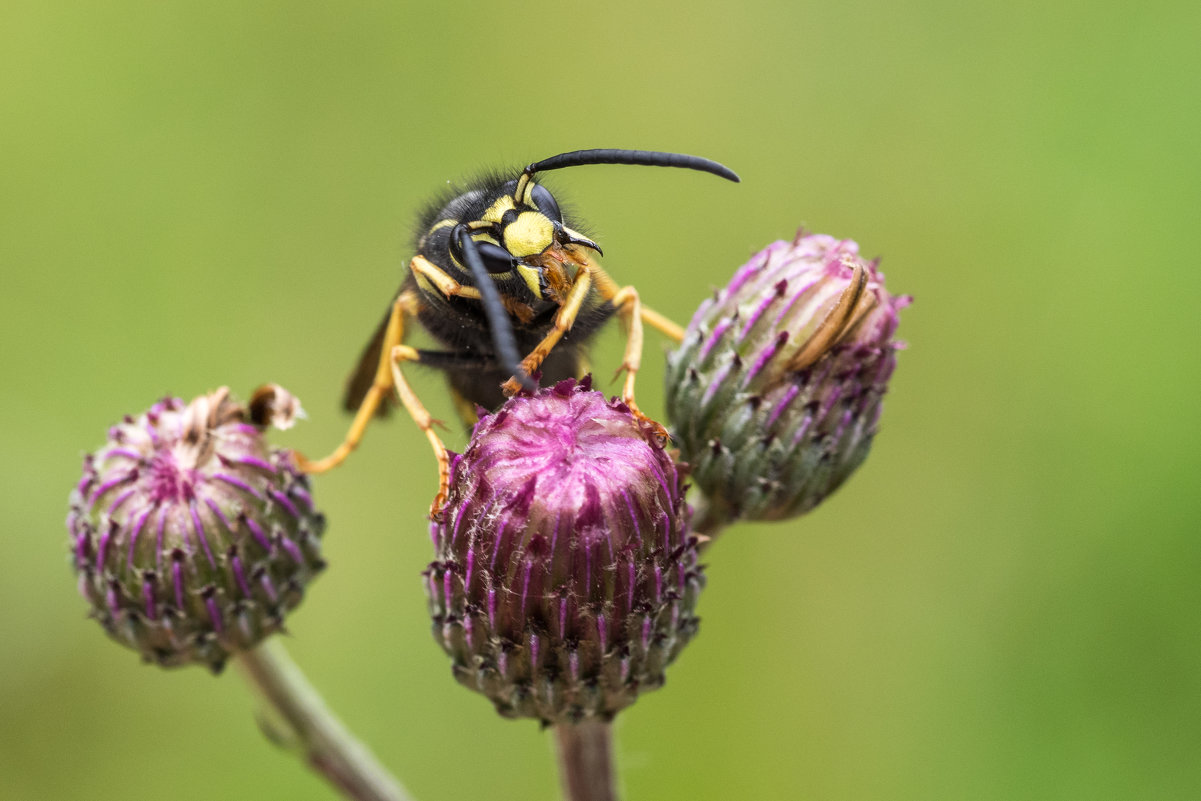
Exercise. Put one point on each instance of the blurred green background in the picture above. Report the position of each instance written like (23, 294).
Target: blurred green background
(1005, 601)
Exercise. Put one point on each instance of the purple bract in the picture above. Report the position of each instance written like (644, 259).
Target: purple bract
(565, 577)
(775, 393)
(190, 536)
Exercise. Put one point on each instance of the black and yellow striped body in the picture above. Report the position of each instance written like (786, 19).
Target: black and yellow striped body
(508, 289)
(546, 255)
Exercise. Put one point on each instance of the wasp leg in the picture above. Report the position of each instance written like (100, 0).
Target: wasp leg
(436, 278)
(421, 416)
(664, 325)
(629, 309)
(564, 320)
(393, 335)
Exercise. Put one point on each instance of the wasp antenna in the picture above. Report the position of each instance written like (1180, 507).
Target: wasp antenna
(646, 158)
(498, 319)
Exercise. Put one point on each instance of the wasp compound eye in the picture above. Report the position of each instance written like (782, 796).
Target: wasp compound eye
(775, 393)
(191, 538)
(565, 577)
(546, 203)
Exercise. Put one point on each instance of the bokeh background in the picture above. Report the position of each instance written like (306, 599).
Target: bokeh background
(1003, 603)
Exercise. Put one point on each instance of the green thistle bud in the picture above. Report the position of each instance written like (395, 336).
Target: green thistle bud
(565, 577)
(191, 538)
(775, 393)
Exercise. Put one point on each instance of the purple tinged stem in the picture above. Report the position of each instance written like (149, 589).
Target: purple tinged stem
(158, 540)
(177, 581)
(291, 547)
(793, 390)
(215, 508)
(113, 598)
(286, 503)
(257, 532)
(764, 357)
(802, 429)
(214, 611)
(149, 599)
(759, 310)
(719, 330)
(715, 383)
(525, 588)
(138, 525)
(302, 495)
(792, 301)
(102, 550)
(239, 575)
(268, 586)
(199, 525)
(125, 477)
(249, 461)
(238, 483)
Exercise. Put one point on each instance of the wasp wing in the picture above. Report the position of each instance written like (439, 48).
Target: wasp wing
(360, 381)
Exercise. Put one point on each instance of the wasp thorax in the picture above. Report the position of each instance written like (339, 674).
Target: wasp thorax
(190, 536)
(565, 577)
(775, 393)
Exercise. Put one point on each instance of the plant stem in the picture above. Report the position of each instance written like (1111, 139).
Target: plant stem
(586, 761)
(329, 748)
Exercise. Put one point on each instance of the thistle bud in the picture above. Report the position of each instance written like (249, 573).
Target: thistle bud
(566, 576)
(775, 393)
(191, 538)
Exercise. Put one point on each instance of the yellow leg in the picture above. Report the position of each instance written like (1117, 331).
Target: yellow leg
(380, 386)
(664, 325)
(564, 320)
(421, 416)
(423, 268)
(629, 309)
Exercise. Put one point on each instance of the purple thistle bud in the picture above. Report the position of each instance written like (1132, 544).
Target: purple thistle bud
(178, 529)
(566, 576)
(775, 392)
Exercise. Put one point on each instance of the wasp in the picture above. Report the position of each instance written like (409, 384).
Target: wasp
(507, 285)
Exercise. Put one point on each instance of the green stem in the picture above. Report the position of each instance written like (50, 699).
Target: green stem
(586, 761)
(329, 748)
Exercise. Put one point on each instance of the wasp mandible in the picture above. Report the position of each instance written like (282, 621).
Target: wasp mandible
(500, 272)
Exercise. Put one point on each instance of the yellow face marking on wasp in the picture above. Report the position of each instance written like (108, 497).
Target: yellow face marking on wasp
(497, 210)
(530, 234)
(532, 277)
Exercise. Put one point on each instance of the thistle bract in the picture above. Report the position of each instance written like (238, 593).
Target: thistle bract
(566, 578)
(775, 394)
(191, 538)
